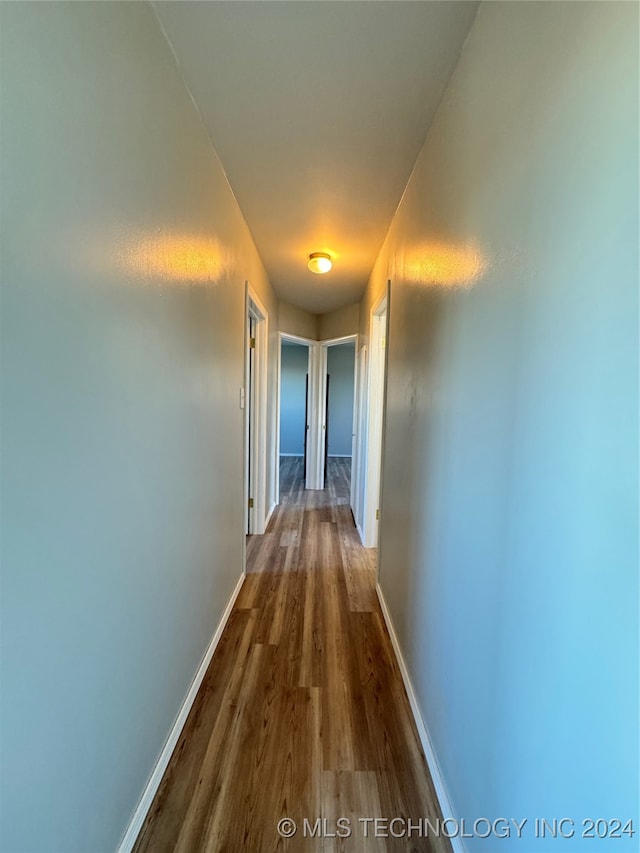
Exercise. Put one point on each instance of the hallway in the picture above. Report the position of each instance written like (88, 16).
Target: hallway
(449, 191)
(302, 712)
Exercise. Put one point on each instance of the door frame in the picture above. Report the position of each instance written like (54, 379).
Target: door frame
(322, 390)
(256, 429)
(311, 346)
(358, 465)
(376, 404)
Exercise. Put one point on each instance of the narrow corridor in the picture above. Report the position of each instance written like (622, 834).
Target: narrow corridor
(302, 713)
(172, 172)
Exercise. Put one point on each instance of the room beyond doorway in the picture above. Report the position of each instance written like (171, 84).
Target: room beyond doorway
(294, 404)
(339, 413)
(292, 480)
(316, 393)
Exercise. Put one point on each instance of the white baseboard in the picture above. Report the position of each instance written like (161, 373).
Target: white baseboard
(423, 732)
(135, 824)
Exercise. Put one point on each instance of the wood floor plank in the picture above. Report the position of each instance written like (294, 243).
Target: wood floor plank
(351, 795)
(302, 712)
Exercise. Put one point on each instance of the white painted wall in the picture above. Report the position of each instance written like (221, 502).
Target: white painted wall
(509, 546)
(340, 369)
(296, 321)
(340, 323)
(124, 257)
(293, 383)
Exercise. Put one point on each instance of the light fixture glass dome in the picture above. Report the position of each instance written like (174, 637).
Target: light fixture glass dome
(319, 262)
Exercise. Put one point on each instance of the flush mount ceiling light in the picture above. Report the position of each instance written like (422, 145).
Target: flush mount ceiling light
(319, 262)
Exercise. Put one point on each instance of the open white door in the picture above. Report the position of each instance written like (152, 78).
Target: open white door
(359, 441)
(255, 402)
(316, 414)
(376, 389)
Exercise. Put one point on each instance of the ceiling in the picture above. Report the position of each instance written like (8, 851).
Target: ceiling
(318, 111)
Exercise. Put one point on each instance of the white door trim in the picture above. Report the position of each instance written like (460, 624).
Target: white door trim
(332, 342)
(315, 444)
(378, 333)
(316, 413)
(255, 309)
(358, 467)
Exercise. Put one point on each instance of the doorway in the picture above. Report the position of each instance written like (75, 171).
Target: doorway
(358, 468)
(254, 399)
(370, 434)
(337, 414)
(296, 409)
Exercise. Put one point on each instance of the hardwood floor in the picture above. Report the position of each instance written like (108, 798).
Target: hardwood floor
(302, 713)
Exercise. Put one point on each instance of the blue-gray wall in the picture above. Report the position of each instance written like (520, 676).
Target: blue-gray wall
(294, 367)
(509, 530)
(340, 367)
(124, 257)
